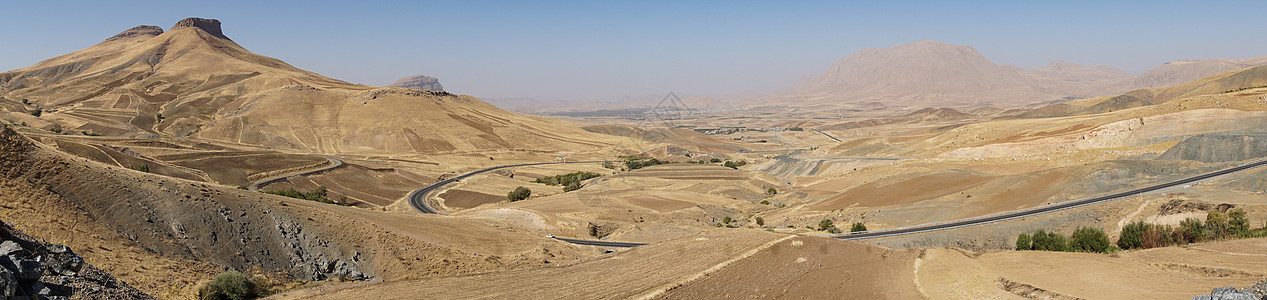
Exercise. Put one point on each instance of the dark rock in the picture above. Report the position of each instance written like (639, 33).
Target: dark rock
(142, 30)
(1226, 293)
(8, 284)
(211, 26)
(25, 270)
(62, 261)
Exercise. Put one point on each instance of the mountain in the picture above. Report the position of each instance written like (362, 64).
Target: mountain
(933, 74)
(926, 73)
(419, 82)
(1184, 71)
(193, 81)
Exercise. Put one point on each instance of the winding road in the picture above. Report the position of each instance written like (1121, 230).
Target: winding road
(255, 186)
(417, 199)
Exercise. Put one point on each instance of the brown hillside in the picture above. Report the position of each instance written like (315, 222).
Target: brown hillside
(192, 81)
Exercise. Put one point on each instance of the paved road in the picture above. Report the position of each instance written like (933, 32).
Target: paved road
(418, 199)
(1041, 209)
(824, 133)
(255, 186)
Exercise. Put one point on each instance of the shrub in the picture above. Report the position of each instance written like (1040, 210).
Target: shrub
(1190, 230)
(733, 164)
(1131, 235)
(833, 230)
(142, 167)
(37, 112)
(824, 224)
(230, 285)
(1216, 223)
(858, 227)
(1023, 243)
(771, 192)
(765, 202)
(634, 163)
(1156, 236)
(572, 187)
(519, 193)
(1238, 223)
(1049, 241)
(726, 220)
(567, 179)
(318, 194)
(714, 160)
(1089, 239)
(760, 221)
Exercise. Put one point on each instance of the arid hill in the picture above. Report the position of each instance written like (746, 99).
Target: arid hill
(193, 81)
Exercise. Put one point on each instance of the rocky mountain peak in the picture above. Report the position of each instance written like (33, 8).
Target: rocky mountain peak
(143, 30)
(421, 82)
(211, 26)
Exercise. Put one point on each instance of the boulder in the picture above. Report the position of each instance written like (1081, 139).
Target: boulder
(62, 261)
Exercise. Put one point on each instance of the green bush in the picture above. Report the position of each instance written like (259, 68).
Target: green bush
(714, 160)
(726, 220)
(760, 221)
(733, 164)
(1089, 239)
(37, 112)
(634, 163)
(1049, 241)
(230, 285)
(771, 192)
(567, 179)
(1023, 242)
(833, 230)
(519, 193)
(572, 187)
(824, 224)
(858, 227)
(319, 194)
(1191, 230)
(1216, 223)
(765, 202)
(1238, 223)
(1132, 235)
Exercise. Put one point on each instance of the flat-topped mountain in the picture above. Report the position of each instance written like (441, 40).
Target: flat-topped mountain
(420, 82)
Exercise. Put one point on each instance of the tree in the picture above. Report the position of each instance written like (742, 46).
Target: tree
(771, 192)
(1216, 223)
(230, 285)
(824, 224)
(1089, 239)
(858, 227)
(519, 193)
(1191, 230)
(1237, 222)
(1023, 242)
(1132, 235)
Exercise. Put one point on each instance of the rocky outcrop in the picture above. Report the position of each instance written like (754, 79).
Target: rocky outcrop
(1213, 148)
(421, 82)
(1227, 293)
(36, 270)
(211, 26)
(143, 30)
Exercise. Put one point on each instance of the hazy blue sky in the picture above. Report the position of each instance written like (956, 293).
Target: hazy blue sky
(598, 50)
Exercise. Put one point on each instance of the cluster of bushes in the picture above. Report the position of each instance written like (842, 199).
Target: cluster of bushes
(858, 227)
(826, 225)
(1084, 239)
(141, 167)
(319, 195)
(1244, 88)
(734, 164)
(233, 285)
(570, 181)
(1217, 225)
(795, 129)
(634, 164)
(519, 193)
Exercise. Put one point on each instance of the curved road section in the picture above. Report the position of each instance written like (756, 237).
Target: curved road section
(255, 186)
(1004, 216)
(418, 199)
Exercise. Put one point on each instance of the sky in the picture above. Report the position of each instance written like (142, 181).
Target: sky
(609, 50)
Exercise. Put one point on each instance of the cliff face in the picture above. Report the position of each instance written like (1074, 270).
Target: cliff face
(421, 82)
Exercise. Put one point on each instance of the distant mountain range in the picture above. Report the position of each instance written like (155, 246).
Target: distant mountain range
(933, 74)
